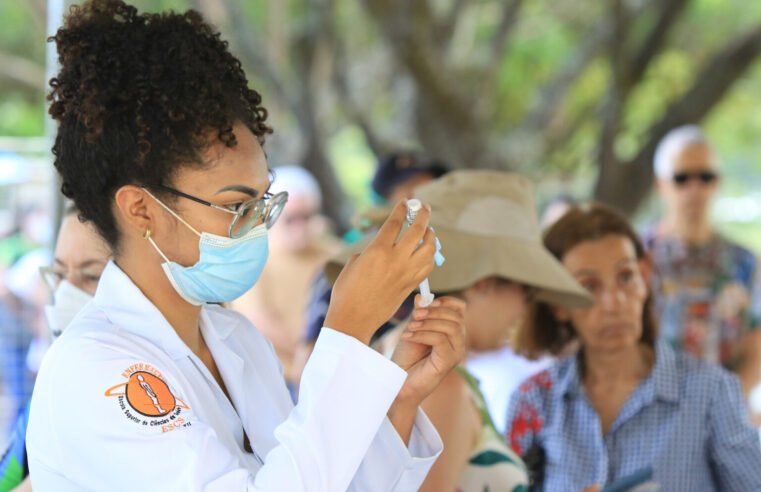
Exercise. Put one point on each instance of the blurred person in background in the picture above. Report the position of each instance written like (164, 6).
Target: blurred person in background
(78, 262)
(34, 230)
(396, 177)
(400, 173)
(16, 335)
(487, 224)
(28, 293)
(706, 288)
(22, 331)
(299, 245)
(555, 209)
(79, 258)
(625, 404)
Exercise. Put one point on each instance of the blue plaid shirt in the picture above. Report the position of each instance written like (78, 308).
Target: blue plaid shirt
(686, 420)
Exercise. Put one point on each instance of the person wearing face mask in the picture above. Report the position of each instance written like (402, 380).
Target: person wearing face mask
(155, 385)
(298, 250)
(489, 232)
(33, 232)
(626, 407)
(79, 259)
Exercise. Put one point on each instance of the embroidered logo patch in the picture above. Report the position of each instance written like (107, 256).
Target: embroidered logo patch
(146, 399)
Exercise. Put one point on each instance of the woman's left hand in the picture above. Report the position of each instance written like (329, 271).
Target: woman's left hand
(432, 345)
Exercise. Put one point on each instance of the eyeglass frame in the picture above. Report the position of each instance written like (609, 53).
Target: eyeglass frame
(267, 199)
(47, 270)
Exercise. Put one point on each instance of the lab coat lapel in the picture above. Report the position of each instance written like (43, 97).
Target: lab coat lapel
(249, 390)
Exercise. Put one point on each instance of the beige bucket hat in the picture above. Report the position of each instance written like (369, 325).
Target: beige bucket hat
(487, 224)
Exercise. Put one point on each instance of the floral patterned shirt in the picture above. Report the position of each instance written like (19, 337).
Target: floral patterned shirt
(707, 297)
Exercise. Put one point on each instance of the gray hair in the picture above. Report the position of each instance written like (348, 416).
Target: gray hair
(675, 142)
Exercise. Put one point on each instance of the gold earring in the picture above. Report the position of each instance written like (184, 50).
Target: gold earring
(147, 234)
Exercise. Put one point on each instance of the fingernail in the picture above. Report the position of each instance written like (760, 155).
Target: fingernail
(414, 325)
(436, 303)
(407, 334)
(421, 313)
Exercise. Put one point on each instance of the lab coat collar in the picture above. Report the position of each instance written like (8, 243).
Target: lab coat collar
(231, 361)
(126, 306)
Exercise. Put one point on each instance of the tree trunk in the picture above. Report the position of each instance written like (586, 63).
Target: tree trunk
(625, 185)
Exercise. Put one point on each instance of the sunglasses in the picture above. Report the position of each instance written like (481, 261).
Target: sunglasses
(704, 177)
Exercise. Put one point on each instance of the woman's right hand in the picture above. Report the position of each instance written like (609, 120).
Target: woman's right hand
(373, 285)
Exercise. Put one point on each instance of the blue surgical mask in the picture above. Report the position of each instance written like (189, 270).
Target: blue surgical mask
(227, 267)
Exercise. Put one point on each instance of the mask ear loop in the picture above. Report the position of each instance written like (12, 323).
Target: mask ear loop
(171, 212)
(147, 235)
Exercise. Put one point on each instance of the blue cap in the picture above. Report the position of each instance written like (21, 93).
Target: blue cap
(396, 168)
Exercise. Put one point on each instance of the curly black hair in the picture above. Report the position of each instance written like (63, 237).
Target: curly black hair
(136, 97)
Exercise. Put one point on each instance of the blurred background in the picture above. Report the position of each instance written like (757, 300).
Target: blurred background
(574, 94)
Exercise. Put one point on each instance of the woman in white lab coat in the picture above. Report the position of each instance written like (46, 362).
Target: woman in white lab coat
(152, 387)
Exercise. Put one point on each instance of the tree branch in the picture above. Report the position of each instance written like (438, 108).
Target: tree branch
(671, 10)
(507, 21)
(307, 53)
(443, 108)
(340, 77)
(38, 10)
(711, 84)
(298, 97)
(617, 92)
(22, 71)
(497, 53)
(551, 95)
(406, 30)
(353, 109)
(445, 29)
(253, 52)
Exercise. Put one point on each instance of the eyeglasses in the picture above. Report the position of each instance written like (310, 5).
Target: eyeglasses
(704, 177)
(86, 278)
(248, 214)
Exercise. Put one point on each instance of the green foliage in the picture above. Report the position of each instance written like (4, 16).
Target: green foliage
(354, 165)
(21, 117)
(547, 34)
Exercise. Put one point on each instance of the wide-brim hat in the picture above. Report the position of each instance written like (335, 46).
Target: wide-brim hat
(488, 227)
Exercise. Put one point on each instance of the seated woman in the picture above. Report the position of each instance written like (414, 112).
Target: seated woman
(624, 404)
(487, 225)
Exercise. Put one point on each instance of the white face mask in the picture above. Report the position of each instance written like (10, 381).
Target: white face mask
(68, 301)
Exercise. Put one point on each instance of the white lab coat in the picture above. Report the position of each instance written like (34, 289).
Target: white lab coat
(121, 403)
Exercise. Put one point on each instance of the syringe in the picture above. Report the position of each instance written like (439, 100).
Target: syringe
(413, 208)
